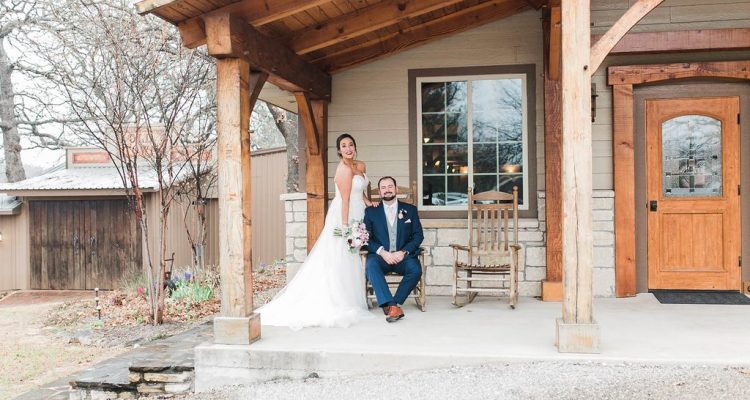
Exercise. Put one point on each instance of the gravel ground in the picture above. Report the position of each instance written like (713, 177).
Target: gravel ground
(531, 380)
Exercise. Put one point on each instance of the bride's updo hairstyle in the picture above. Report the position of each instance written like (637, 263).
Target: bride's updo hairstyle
(342, 137)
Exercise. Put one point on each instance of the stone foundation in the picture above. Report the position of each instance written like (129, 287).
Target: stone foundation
(440, 233)
(295, 206)
(143, 381)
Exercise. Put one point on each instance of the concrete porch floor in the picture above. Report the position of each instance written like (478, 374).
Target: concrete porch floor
(638, 329)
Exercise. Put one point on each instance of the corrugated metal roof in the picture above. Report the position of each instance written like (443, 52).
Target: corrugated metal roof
(81, 179)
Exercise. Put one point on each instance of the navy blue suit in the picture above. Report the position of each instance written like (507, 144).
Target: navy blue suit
(409, 237)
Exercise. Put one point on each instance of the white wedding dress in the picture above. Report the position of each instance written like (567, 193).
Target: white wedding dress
(329, 288)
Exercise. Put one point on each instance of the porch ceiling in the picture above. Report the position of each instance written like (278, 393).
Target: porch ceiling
(337, 34)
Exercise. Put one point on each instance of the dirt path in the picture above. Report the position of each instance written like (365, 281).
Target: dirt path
(29, 356)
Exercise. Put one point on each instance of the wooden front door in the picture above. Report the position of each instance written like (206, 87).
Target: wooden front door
(82, 244)
(693, 175)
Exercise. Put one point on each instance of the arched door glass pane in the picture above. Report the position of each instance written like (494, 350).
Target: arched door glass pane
(691, 153)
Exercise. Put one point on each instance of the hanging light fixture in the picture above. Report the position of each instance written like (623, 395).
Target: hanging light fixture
(593, 102)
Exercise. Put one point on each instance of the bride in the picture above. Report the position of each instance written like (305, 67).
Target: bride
(329, 288)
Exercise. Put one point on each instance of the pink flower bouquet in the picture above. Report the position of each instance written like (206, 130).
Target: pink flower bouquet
(356, 235)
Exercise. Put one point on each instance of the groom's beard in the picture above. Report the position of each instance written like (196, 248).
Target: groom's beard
(389, 197)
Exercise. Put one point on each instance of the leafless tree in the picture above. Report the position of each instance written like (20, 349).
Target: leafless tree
(287, 124)
(24, 101)
(195, 191)
(137, 93)
(14, 16)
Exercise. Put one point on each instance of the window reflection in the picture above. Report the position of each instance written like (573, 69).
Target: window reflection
(492, 158)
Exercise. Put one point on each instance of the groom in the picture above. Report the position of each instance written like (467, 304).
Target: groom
(395, 237)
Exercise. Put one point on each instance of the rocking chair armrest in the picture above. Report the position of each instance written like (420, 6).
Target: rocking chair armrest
(515, 247)
(456, 246)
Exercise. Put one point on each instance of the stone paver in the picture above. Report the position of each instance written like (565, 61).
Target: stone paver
(174, 353)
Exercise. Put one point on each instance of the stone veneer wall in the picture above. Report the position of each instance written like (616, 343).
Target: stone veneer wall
(440, 233)
(295, 208)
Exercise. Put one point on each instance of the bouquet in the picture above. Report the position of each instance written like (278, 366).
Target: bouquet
(355, 235)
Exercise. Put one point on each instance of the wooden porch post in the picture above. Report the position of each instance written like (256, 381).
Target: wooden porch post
(237, 90)
(314, 116)
(576, 331)
(552, 286)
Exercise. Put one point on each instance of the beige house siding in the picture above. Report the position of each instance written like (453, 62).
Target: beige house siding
(671, 15)
(14, 251)
(674, 15)
(371, 101)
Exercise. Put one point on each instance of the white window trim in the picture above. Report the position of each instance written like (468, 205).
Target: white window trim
(470, 133)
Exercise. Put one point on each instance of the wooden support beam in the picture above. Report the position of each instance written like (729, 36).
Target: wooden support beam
(682, 41)
(639, 74)
(577, 332)
(230, 36)
(314, 117)
(551, 287)
(361, 22)
(624, 178)
(631, 17)
(256, 13)
(304, 105)
(555, 45)
(192, 33)
(237, 323)
(461, 20)
(576, 169)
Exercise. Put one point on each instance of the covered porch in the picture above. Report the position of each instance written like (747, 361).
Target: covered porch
(355, 66)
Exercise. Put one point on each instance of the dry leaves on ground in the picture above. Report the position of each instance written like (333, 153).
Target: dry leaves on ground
(125, 315)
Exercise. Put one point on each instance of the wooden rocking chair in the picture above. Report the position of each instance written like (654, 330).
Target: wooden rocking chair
(492, 255)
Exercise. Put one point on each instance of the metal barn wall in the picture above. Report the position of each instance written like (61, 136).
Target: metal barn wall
(269, 242)
(14, 250)
(269, 172)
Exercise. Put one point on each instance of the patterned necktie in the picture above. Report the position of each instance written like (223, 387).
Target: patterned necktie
(391, 215)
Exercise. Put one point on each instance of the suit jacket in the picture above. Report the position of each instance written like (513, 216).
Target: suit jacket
(409, 233)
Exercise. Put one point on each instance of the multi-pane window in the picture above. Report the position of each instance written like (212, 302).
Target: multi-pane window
(472, 131)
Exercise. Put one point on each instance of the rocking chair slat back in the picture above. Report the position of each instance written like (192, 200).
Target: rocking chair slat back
(489, 221)
(492, 252)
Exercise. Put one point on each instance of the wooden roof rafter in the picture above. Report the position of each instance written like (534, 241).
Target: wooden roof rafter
(333, 35)
(362, 21)
(256, 13)
(461, 20)
(231, 36)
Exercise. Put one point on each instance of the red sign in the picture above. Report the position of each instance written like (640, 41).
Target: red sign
(98, 157)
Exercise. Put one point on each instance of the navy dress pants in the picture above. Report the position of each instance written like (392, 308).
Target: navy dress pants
(376, 268)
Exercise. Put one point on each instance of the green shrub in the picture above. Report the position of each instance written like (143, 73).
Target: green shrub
(194, 291)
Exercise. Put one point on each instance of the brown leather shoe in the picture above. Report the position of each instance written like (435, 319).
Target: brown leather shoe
(386, 310)
(394, 314)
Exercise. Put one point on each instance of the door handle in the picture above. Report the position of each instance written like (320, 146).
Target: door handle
(652, 205)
